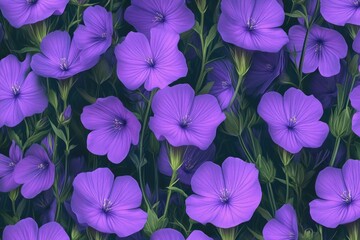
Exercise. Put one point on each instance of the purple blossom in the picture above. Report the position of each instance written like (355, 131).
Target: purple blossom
(96, 36)
(45, 204)
(60, 58)
(324, 49)
(168, 16)
(283, 226)
(293, 119)
(340, 12)
(338, 190)
(222, 76)
(264, 69)
(224, 196)
(20, 13)
(184, 119)
(253, 24)
(21, 94)
(105, 203)
(48, 143)
(156, 62)
(355, 103)
(192, 159)
(35, 171)
(7, 166)
(114, 128)
(172, 234)
(28, 229)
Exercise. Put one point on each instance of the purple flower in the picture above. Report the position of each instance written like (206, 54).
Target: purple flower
(340, 12)
(45, 204)
(283, 226)
(114, 128)
(105, 203)
(168, 16)
(192, 159)
(28, 229)
(338, 190)
(60, 58)
(293, 120)
(156, 62)
(67, 113)
(265, 67)
(172, 234)
(35, 171)
(96, 36)
(253, 24)
(222, 76)
(324, 49)
(184, 119)
(21, 94)
(48, 143)
(355, 103)
(224, 196)
(7, 166)
(20, 13)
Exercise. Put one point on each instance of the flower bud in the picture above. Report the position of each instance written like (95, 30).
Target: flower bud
(242, 59)
(266, 169)
(296, 172)
(175, 157)
(340, 122)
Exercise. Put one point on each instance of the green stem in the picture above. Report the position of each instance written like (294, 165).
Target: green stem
(238, 85)
(287, 184)
(353, 230)
(334, 153)
(204, 57)
(300, 73)
(272, 198)
(243, 146)
(172, 181)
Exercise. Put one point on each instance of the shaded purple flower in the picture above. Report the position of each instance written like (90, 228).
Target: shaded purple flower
(35, 171)
(356, 43)
(253, 24)
(324, 49)
(265, 67)
(283, 226)
(28, 229)
(67, 113)
(21, 94)
(172, 234)
(48, 143)
(20, 13)
(105, 203)
(340, 12)
(168, 16)
(355, 103)
(7, 166)
(114, 128)
(293, 119)
(222, 76)
(156, 62)
(192, 159)
(224, 196)
(96, 36)
(45, 204)
(338, 190)
(60, 58)
(184, 119)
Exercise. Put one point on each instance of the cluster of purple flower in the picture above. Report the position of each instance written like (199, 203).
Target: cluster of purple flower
(185, 88)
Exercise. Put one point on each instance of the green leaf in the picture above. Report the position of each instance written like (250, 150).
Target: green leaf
(206, 89)
(58, 132)
(264, 213)
(53, 99)
(178, 190)
(211, 36)
(27, 50)
(86, 96)
(197, 28)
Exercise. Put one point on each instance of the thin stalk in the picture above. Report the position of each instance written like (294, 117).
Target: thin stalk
(172, 181)
(287, 184)
(336, 148)
(272, 198)
(204, 57)
(243, 146)
(238, 85)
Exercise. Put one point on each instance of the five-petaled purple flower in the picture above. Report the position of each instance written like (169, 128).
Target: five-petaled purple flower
(21, 94)
(324, 49)
(224, 196)
(157, 61)
(28, 229)
(106, 204)
(60, 58)
(114, 128)
(339, 193)
(253, 24)
(7, 166)
(355, 103)
(23, 12)
(184, 119)
(172, 234)
(166, 15)
(96, 36)
(293, 119)
(340, 12)
(283, 226)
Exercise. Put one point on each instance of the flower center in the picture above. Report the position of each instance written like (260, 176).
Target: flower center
(318, 46)
(15, 90)
(269, 67)
(64, 64)
(150, 62)
(224, 195)
(31, 1)
(356, 3)
(107, 204)
(42, 166)
(189, 164)
(225, 84)
(251, 24)
(346, 196)
(12, 164)
(119, 123)
(185, 121)
(159, 17)
(292, 122)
